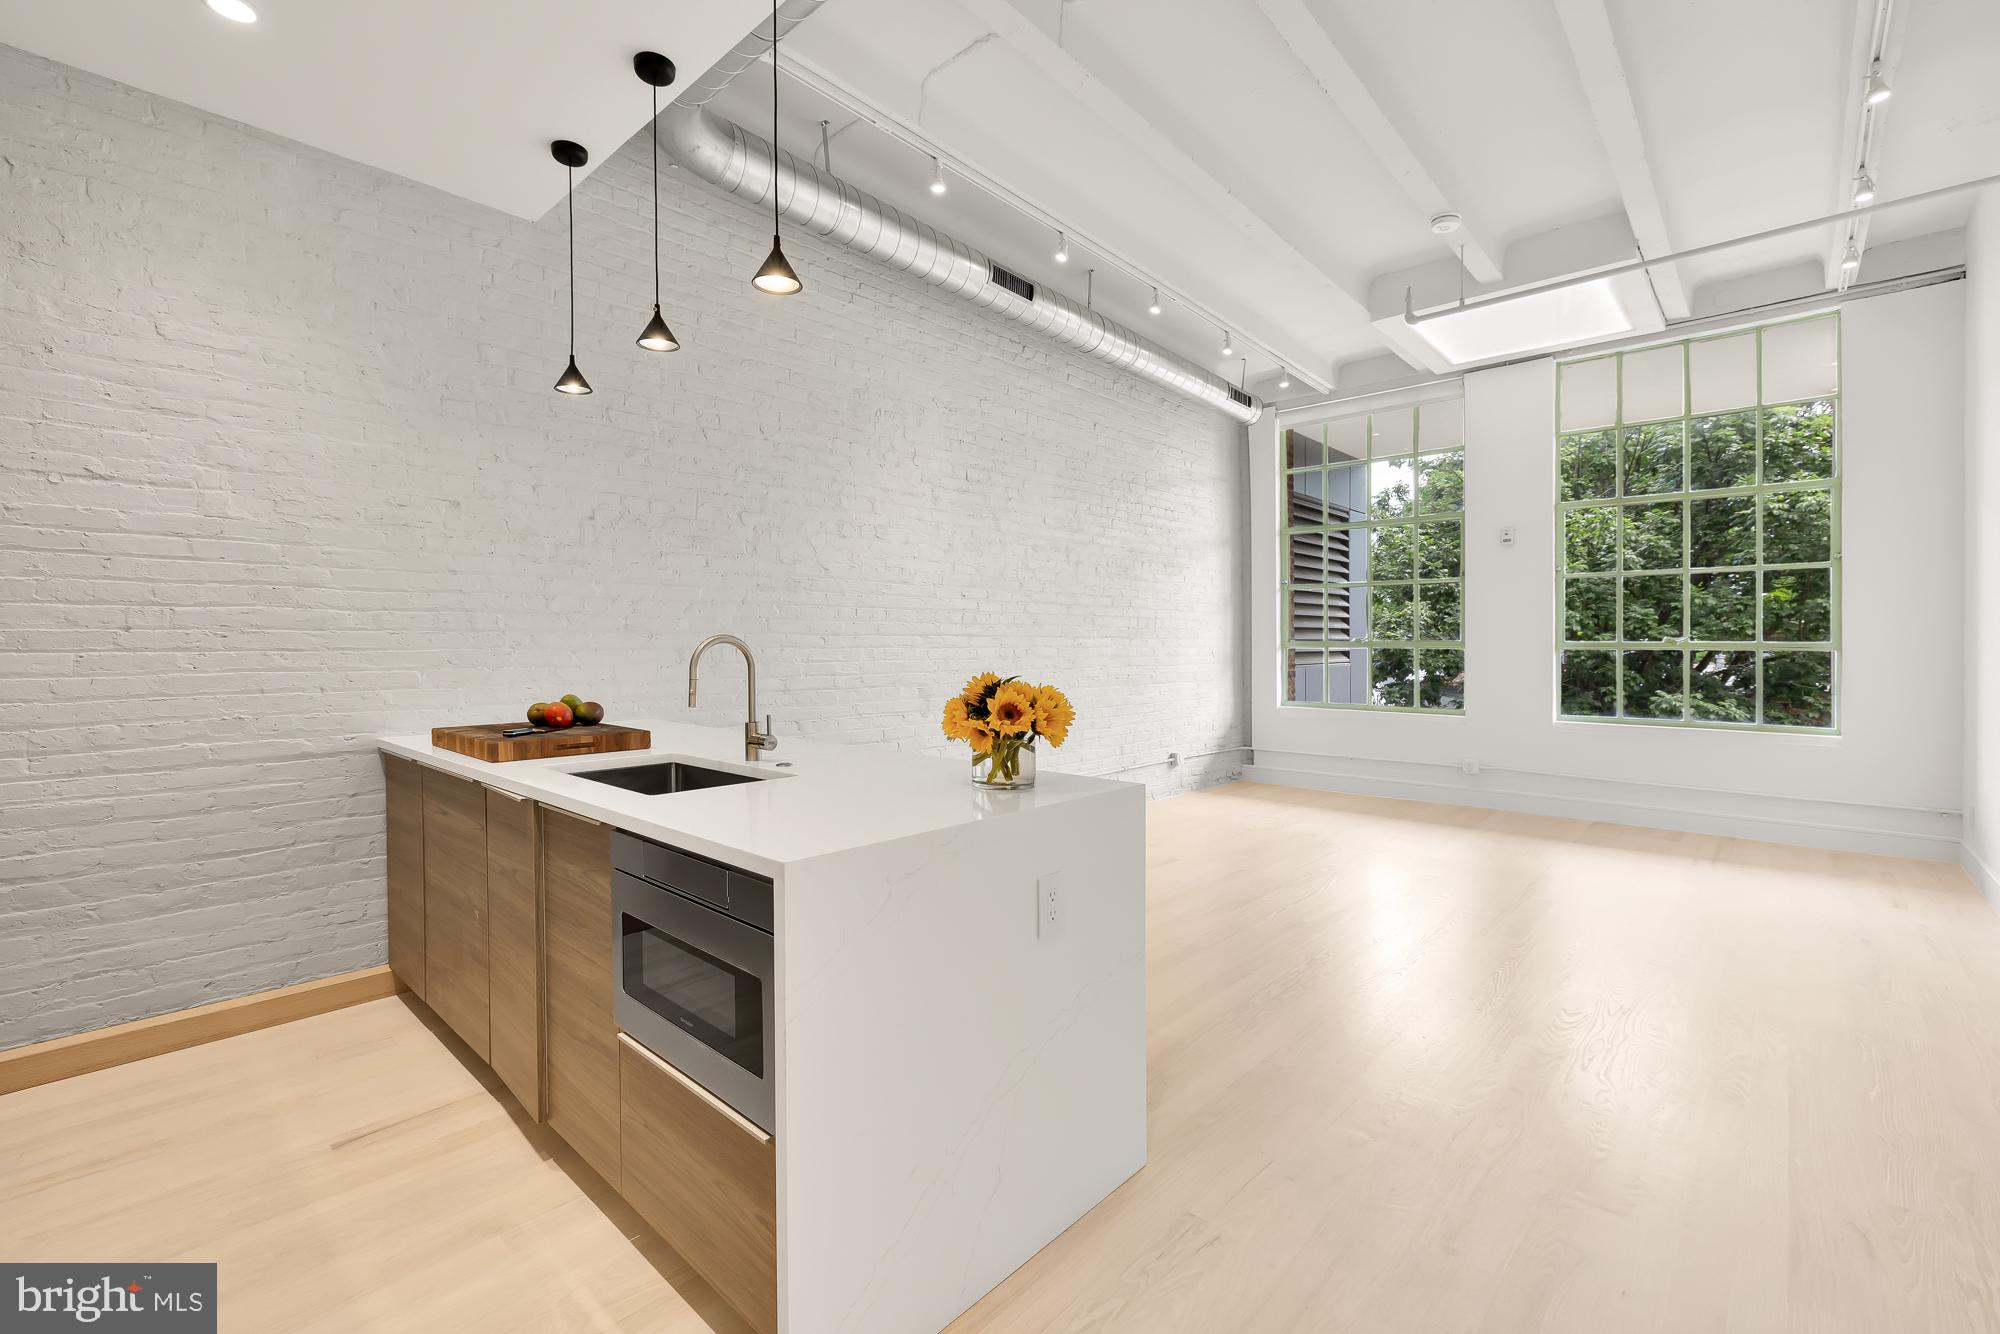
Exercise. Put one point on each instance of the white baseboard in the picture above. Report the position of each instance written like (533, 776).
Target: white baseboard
(1982, 873)
(1836, 826)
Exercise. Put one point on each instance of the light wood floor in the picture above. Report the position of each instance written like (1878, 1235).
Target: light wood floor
(1413, 1069)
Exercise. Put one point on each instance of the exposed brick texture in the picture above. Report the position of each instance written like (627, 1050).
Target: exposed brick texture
(280, 471)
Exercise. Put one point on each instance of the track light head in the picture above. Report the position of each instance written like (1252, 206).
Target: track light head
(1228, 345)
(1154, 309)
(777, 277)
(1864, 188)
(572, 381)
(1062, 248)
(1877, 90)
(938, 186)
(1851, 261)
(1284, 379)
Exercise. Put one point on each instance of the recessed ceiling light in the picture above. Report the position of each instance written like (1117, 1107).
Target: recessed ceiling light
(234, 10)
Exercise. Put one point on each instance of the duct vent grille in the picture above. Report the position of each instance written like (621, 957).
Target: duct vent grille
(1014, 283)
(1240, 396)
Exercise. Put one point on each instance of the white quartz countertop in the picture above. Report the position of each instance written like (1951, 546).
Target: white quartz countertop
(814, 798)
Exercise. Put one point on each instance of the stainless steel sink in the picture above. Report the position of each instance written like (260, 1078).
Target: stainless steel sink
(656, 780)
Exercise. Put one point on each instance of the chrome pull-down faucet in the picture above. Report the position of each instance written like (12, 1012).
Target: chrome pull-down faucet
(754, 741)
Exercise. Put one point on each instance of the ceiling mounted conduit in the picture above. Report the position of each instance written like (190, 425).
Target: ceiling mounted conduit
(730, 157)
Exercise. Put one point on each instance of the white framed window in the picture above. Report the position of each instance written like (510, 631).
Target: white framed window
(1371, 560)
(1698, 531)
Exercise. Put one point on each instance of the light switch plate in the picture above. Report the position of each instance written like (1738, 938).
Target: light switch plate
(1049, 906)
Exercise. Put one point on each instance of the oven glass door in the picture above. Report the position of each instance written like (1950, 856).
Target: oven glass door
(710, 999)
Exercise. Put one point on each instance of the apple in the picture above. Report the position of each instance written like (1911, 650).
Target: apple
(557, 715)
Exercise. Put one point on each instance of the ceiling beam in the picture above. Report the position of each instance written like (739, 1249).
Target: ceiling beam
(1587, 24)
(1049, 56)
(1315, 50)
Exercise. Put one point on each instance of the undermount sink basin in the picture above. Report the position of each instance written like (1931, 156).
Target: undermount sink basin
(656, 780)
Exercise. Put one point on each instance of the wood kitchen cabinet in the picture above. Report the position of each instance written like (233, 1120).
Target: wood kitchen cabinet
(403, 782)
(704, 1178)
(455, 908)
(514, 945)
(581, 1036)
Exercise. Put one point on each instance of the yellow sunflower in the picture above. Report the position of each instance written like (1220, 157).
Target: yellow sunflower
(975, 689)
(955, 719)
(980, 736)
(1012, 709)
(1053, 714)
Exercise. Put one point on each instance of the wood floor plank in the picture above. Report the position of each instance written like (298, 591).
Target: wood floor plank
(1412, 1069)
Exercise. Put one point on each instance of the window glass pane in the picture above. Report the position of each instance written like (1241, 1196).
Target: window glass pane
(1347, 676)
(1798, 689)
(1307, 611)
(1589, 688)
(1346, 611)
(1652, 607)
(1392, 432)
(1723, 687)
(1443, 681)
(1654, 383)
(1723, 607)
(1303, 448)
(1652, 458)
(1798, 527)
(1722, 373)
(1390, 611)
(1589, 464)
(1653, 536)
(1589, 395)
(1305, 676)
(1439, 546)
(1590, 538)
(1394, 678)
(1392, 552)
(1801, 360)
(1722, 451)
(1347, 493)
(1305, 499)
(1439, 613)
(1441, 425)
(1653, 683)
(1722, 531)
(1307, 558)
(1347, 439)
(1798, 605)
(1390, 488)
(1798, 442)
(1590, 609)
(1441, 482)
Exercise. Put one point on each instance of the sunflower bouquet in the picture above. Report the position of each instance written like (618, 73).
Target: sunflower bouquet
(1002, 719)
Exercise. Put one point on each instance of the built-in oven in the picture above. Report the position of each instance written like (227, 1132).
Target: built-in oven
(694, 955)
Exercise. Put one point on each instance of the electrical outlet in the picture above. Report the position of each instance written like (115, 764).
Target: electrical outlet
(1048, 906)
(1507, 537)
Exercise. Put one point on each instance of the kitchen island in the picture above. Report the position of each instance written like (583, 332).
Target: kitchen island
(957, 1003)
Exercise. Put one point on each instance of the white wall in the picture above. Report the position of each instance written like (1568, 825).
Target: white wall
(1889, 781)
(280, 470)
(1982, 546)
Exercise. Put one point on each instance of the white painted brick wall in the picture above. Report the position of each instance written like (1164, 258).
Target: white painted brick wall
(280, 471)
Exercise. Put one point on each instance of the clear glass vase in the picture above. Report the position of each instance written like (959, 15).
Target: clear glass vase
(1008, 767)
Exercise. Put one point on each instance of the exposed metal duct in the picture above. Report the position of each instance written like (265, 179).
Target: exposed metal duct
(727, 155)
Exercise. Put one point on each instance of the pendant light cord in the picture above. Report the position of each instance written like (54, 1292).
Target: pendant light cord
(572, 263)
(656, 197)
(774, 119)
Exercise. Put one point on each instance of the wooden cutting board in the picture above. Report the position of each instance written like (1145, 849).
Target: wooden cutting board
(484, 742)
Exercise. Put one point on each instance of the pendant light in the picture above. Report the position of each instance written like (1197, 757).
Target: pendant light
(572, 156)
(777, 277)
(657, 70)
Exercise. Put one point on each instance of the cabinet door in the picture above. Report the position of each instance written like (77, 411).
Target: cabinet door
(403, 783)
(455, 905)
(514, 946)
(582, 1037)
(705, 1178)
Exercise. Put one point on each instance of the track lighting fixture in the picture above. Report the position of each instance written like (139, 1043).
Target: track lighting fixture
(1154, 309)
(234, 10)
(657, 70)
(937, 177)
(1228, 347)
(1851, 261)
(1864, 187)
(1284, 378)
(777, 277)
(572, 156)
(1062, 248)
(1877, 91)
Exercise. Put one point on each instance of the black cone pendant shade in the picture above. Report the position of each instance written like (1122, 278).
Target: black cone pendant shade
(657, 70)
(777, 277)
(572, 156)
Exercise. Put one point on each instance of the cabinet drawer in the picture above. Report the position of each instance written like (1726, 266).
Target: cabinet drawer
(705, 1178)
